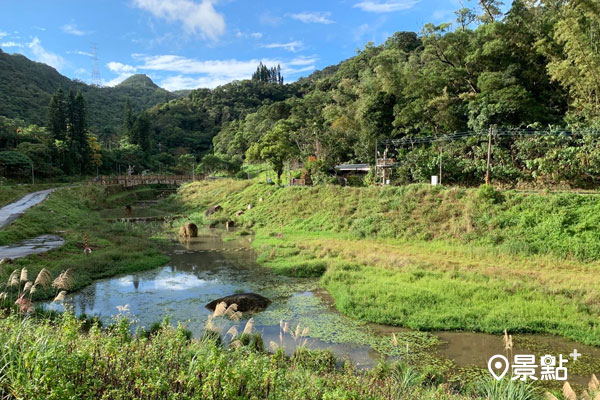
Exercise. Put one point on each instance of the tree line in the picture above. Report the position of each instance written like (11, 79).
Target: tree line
(534, 67)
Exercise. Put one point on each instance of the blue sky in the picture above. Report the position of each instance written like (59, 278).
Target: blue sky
(184, 44)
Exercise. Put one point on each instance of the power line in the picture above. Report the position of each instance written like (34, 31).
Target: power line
(454, 136)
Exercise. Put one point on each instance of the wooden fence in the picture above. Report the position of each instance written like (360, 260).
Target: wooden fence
(135, 180)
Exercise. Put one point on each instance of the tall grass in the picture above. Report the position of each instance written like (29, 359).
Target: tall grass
(57, 360)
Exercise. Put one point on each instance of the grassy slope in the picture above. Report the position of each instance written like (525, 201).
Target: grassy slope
(71, 213)
(431, 257)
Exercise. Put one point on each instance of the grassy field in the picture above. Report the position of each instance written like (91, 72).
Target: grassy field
(430, 258)
(65, 359)
(72, 213)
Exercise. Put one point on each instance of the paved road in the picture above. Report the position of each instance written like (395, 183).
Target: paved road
(12, 211)
(40, 244)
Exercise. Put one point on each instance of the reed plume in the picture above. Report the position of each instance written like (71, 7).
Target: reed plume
(209, 325)
(3, 296)
(13, 279)
(594, 385)
(394, 340)
(28, 286)
(24, 275)
(220, 309)
(233, 331)
(273, 346)
(65, 280)
(507, 342)
(568, 392)
(249, 327)
(233, 313)
(60, 296)
(43, 278)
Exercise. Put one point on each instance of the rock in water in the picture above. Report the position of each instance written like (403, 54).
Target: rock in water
(188, 230)
(213, 209)
(244, 301)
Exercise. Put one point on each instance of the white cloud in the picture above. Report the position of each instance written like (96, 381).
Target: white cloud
(3, 34)
(123, 72)
(313, 17)
(197, 18)
(81, 53)
(45, 56)
(385, 6)
(120, 68)
(11, 44)
(116, 81)
(192, 74)
(72, 29)
(291, 46)
(180, 82)
(253, 35)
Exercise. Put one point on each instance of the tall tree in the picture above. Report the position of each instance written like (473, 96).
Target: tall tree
(56, 116)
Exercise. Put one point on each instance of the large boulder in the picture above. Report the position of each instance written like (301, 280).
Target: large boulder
(213, 209)
(188, 230)
(245, 302)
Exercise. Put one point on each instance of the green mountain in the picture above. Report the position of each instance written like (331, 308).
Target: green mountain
(26, 87)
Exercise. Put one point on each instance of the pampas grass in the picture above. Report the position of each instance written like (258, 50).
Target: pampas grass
(233, 331)
(13, 279)
(24, 275)
(594, 385)
(60, 296)
(507, 342)
(249, 328)
(28, 286)
(65, 280)
(569, 394)
(43, 278)
(220, 309)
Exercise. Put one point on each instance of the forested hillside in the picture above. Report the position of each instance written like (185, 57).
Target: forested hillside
(531, 74)
(26, 87)
(534, 69)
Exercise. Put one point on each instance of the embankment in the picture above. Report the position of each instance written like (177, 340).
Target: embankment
(429, 257)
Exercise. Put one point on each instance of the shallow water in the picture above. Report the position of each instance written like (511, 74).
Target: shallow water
(40, 244)
(210, 267)
(202, 270)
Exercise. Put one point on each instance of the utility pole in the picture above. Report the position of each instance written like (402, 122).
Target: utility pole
(489, 155)
(441, 163)
(376, 172)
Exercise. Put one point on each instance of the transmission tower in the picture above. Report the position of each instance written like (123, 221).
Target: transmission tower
(96, 81)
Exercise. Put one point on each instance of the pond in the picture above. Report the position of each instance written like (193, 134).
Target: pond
(218, 264)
